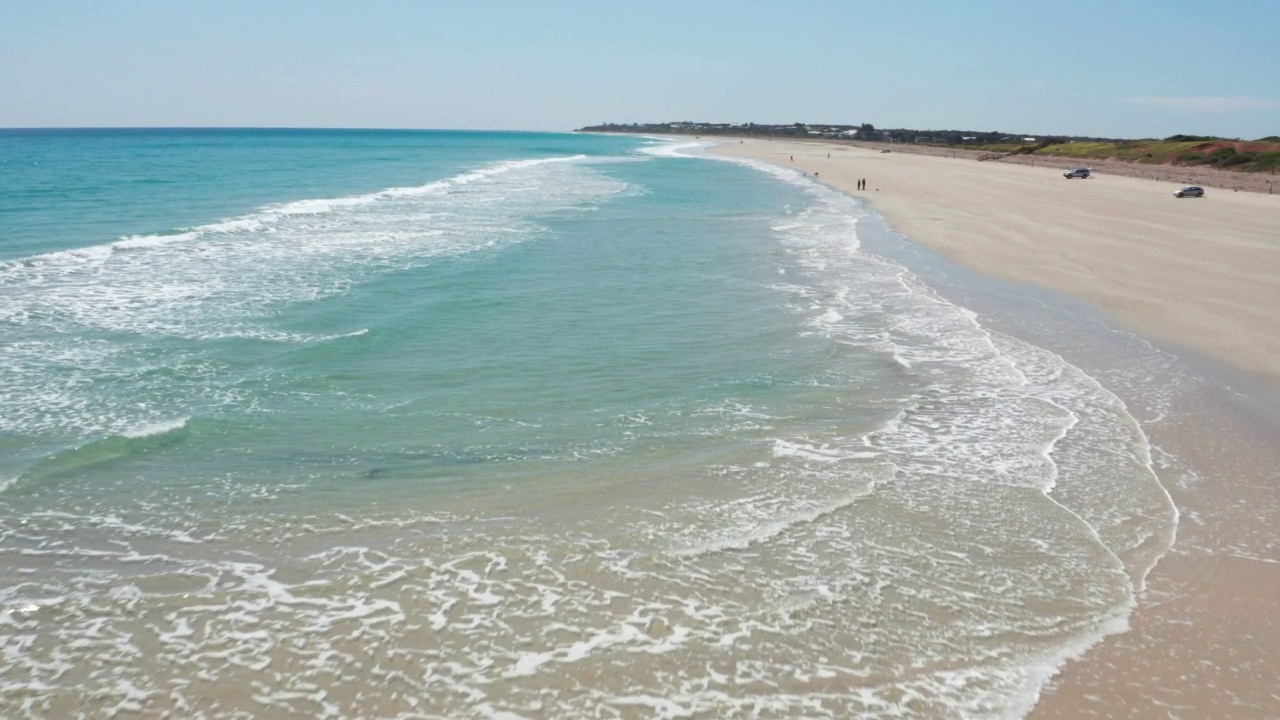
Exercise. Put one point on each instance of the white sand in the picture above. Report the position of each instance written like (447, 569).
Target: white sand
(1199, 273)
(1202, 273)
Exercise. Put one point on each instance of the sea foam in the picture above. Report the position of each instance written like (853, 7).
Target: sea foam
(910, 515)
(231, 279)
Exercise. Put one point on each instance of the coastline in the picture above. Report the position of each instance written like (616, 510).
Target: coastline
(1204, 175)
(1199, 278)
(1200, 273)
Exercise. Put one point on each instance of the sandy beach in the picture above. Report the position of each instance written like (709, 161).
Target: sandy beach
(1200, 277)
(1206, 176)
(1204, 273)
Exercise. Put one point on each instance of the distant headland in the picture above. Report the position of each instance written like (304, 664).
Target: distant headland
(1233, 154)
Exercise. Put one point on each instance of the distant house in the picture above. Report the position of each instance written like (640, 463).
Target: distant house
(923, 139)
(968, 138)
(1029, 139)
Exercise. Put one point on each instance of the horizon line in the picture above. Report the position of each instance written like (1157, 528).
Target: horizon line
(4, 128)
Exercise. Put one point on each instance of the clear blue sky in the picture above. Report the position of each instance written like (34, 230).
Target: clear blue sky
(1090, 67)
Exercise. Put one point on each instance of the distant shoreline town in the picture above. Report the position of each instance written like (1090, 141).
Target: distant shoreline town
(865, 132)
(1192, 151)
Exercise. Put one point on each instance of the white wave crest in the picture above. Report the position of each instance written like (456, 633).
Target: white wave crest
(234, 278)
(273, 214)
(156, 428)
(674, 148)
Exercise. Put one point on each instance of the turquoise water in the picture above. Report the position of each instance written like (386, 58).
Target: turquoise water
(481, 312)
(537, 424)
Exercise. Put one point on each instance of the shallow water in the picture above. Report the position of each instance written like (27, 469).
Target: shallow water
(500, 425)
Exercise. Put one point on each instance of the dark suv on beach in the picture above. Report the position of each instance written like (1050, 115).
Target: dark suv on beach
(1082, 173)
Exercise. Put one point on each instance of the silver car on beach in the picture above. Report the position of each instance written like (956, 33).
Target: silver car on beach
(1190, 191)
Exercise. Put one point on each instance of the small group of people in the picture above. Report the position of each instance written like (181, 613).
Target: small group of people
(862, 183)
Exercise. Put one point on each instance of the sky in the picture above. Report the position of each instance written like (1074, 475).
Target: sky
(1133, 68)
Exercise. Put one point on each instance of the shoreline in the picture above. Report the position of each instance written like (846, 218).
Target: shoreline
(1201, 638)
(1202, 175)
(1199, 273)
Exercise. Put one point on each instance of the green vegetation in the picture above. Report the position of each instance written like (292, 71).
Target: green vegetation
(1261, 155)
(1267, 162)
(1193, 138)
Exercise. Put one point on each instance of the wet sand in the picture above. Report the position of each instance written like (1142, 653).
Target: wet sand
(1199, 272)
(1200, 278)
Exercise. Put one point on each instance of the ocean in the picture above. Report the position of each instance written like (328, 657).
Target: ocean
(352, 424)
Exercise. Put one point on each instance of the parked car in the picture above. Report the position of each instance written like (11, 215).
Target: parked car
(886, 150)
(1190, 191)
(1082, 173)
